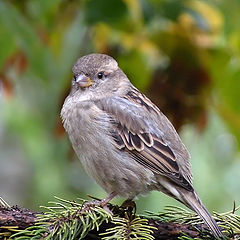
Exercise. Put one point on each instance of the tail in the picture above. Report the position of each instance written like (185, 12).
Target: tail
(192, 200)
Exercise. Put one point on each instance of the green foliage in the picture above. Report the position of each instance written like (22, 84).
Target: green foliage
(184, 55)
(228, 221)
(65, 220)
(105, 11)
(132, 229)
(177, 214)
(71, 220)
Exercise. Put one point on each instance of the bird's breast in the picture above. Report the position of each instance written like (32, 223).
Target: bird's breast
(89, 130)
(86, 125)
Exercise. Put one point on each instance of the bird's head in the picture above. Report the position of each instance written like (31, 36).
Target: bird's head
(98, 74)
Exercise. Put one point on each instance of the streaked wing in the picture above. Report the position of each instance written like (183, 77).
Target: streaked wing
(132, 133)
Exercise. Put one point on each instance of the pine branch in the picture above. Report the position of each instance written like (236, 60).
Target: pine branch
(76, 220)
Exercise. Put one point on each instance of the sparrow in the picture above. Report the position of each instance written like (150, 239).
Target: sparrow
(125, 143)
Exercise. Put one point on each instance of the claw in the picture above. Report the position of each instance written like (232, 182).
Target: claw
(100, 203)
(129, 206)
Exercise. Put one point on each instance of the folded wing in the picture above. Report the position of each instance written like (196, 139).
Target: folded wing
(135, 132)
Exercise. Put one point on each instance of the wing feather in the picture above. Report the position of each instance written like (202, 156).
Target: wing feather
(146, 138)
(132, 133)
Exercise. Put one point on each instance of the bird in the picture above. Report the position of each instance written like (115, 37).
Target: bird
(123, 140)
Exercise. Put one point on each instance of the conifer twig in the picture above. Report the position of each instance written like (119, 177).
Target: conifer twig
(65, 219)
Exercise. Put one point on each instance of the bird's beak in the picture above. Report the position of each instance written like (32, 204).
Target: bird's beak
(83, 81)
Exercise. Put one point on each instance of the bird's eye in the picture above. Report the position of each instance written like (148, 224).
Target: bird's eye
(100, 75)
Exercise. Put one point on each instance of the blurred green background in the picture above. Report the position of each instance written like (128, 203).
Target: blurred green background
(184, 55)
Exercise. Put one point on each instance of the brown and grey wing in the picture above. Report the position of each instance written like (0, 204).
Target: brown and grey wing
(134, 132)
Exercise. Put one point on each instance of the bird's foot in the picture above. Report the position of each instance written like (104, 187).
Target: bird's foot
(128, 208)
(99, 203)
(95, 203)
(129, 205)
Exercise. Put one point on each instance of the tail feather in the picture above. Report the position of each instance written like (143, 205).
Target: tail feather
(192, 200)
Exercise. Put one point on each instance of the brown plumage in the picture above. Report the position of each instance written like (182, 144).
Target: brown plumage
(123, 140)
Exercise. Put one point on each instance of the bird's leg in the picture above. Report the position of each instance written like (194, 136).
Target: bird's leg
(101, 203)
(106, 200)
